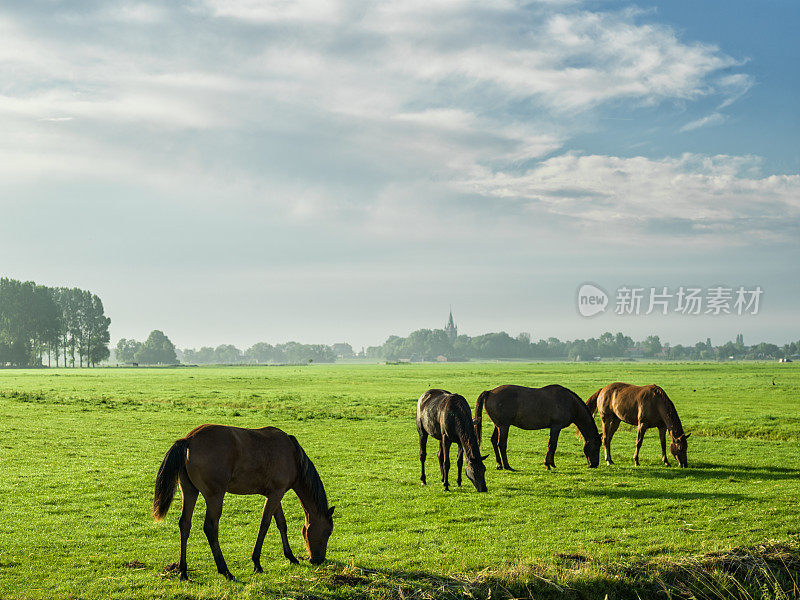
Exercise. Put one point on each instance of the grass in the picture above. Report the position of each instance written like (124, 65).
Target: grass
(79, 450)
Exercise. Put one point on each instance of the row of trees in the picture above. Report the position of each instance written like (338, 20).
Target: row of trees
(262, 353)
(429, 344)
(41, 324)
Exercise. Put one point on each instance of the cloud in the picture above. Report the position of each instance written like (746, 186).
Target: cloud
(357, 114)
(714, 118)
(717, 198)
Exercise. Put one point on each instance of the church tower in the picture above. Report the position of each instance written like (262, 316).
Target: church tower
(450, 329)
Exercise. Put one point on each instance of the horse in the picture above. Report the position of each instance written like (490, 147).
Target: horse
(552, 407)
(447, 418)
(215, 459)
(644, 406)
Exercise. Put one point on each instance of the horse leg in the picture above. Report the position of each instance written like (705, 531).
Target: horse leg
(440, 456)
(211, 529)
(609, 429)
(280, 521)
(639, 439)
(460, 463)
(423, 444)
(189, 493)
(496, 446)
(270, 506)
(446, 467)
(662, 433)
(549, 460)
(503, 443)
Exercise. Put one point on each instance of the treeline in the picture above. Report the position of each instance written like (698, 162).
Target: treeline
(434, 344)
(157, 349)
(54, 326)
(264, 353)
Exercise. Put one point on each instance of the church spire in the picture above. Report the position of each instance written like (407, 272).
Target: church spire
(450, 328)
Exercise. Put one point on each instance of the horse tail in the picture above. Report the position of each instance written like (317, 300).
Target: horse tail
(478, 420)
(174, 461)
(591, 403)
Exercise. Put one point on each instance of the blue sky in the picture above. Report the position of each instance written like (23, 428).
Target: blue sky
(232, 171)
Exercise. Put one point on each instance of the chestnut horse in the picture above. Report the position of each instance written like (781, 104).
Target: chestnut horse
(214, 459)
(552, 407)
(446, 417)
(644, 406)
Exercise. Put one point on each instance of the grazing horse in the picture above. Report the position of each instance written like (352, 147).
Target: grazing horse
(214, 459)
(446, 417)
(552, 407)
(644, 406)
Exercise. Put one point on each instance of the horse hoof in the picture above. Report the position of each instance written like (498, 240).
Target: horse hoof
(184, 577)
(229, 576)
(293, 560)
(499, 467)
(258, 569)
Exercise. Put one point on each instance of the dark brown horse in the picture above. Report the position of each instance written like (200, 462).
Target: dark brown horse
(446, 417)
(644, 406)
(552, 407)
(214, 459)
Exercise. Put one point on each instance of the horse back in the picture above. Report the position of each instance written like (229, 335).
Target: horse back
(439, 410)
(241, 461)
(634, 404)
(532, 408)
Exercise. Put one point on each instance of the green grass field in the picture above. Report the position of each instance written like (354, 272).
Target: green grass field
(79, 450)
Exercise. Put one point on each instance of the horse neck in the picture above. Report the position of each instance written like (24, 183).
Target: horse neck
(310, 505)
(584, 421)
(466, 436)
(670, 417)
(309, 488)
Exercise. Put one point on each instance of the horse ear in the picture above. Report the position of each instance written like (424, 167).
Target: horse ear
(686, 436)
(484, 457)
(330, 512)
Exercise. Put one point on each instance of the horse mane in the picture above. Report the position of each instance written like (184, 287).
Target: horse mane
(310, 478)
(583, 405)
(673, 420)
(464, 425)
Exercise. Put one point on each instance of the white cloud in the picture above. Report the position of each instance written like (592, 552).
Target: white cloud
(714, 118)
(349, 112)
(721, 196)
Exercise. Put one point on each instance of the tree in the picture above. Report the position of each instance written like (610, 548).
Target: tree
(126, 350)
(156, 350)
(227, 354)
(260, 353)
(652, 346)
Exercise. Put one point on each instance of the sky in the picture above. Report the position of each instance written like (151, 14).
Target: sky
(236, 171)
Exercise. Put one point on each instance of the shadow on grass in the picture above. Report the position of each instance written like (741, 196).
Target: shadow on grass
(713, 471)
(770, 570)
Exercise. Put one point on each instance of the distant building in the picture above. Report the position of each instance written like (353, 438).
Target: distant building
(450, 329)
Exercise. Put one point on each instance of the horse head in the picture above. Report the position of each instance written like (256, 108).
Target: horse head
(591, 449)
(316, 531)
(476, 472)
(678, 448)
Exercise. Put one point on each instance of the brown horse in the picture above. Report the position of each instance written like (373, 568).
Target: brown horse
(214, 459)
(446, 417)
(644, 406)
(552, 407)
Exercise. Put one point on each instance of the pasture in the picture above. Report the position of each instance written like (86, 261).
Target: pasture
(79, 450)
